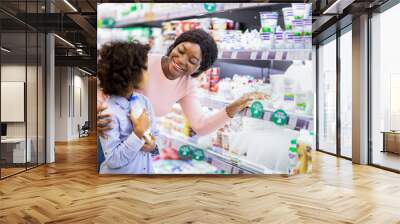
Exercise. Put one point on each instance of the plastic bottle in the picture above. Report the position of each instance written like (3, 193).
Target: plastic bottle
(186, 128)
(301, 99)
(289, 94)
(137, 110)
(304, 148)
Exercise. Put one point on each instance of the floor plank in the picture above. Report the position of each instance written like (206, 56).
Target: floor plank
(70, 191)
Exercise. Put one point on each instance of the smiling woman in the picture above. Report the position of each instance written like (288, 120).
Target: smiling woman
(191, 54)
(182, 61)
(170, 82)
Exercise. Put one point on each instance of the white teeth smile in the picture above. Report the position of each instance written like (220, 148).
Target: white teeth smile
(177, 66)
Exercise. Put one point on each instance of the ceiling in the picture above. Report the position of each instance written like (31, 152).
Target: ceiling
(76, 25)
(331, 15)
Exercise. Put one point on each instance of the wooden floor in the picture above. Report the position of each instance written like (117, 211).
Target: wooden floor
(387, 159)
(70, 191)
(10, 171)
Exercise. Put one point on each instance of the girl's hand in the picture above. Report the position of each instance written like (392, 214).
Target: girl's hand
(243, 102)
(149, 145)
(141, 124)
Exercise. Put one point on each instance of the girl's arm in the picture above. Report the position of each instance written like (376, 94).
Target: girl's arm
(119, 153)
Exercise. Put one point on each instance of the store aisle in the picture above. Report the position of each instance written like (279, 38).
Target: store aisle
(71, 191)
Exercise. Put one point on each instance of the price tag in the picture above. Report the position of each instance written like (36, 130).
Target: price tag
(279, 55)
(220, 54)
(234, 55)
(264, 55)
(289, 55)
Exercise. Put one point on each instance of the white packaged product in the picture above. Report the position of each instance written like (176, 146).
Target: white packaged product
(279, 41)
(288, 17)
(267, 40)
(298, 29)
(308, 33)
(298, 10)
(289, 39)
(268, 21)
(277, 86)
(289, 95)
(307, 11)
(269, 146)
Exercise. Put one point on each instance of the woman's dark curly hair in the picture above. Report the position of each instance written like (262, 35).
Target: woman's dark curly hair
(120, 66)
(209, 50)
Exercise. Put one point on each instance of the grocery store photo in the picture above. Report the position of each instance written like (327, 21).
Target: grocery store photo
(205, 88)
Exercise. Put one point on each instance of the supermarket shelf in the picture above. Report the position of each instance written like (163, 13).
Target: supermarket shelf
(216, 102)
(231, 159)
(183, 167)
(279, 55)
(156, 20)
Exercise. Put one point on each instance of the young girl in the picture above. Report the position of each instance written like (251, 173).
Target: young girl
(122, 71)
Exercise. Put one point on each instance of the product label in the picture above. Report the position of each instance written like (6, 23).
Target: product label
(198, 154)
(210, 7)
(301, 106)
(279, 117)
(289, 97)
(184, 152)
(257, 109)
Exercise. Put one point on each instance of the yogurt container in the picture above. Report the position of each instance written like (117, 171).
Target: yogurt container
(298, 26)
(268, 21)
(288, 17)
(307, 11)
(279, 38)
(298, 10)
(267, 40)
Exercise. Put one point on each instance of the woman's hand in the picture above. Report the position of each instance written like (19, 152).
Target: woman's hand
(149, 144)
(141, 124)
(103, 120)
(243, 102)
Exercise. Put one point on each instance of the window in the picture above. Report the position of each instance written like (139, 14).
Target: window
(346, 93)
(327, 96)
(385, 89)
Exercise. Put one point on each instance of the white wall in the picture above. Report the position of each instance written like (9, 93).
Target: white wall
(61, 103)
(70, 83)
(16, 73)
(10, 73)
(34, 125)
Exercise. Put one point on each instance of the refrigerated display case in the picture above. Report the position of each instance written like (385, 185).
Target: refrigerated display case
(262, 47)
(258, 141)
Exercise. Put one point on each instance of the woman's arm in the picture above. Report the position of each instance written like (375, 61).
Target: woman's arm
(201, 124)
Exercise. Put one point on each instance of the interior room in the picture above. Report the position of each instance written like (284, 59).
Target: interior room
(345, 102)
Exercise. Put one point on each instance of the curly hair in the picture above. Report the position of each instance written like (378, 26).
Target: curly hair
(120, 66)
(209, 50)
